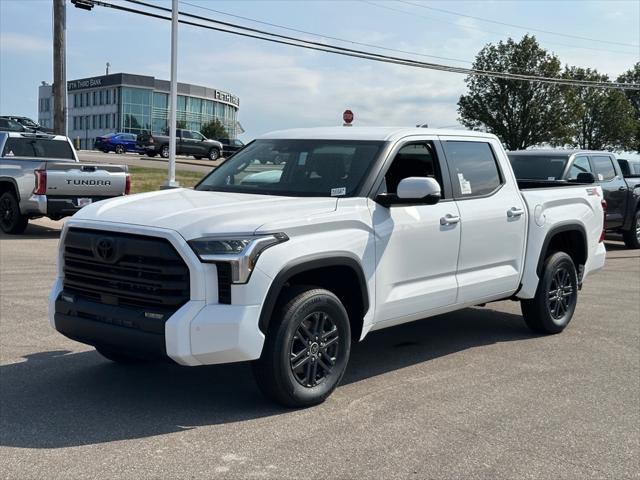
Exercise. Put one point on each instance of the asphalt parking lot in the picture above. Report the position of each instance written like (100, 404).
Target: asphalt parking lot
(133, 159)
(467, 395)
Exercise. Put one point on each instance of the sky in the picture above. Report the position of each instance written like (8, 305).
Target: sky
(284, 87)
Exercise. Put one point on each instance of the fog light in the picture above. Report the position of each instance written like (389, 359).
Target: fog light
(156, 316)
(67, 298)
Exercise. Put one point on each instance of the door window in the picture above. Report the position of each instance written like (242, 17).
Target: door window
(413, 160)
(197, 136)
(603, 167)
(474, 171)
(580, 165)
(186, 134)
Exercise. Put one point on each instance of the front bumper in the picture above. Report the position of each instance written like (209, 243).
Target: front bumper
(200, 332)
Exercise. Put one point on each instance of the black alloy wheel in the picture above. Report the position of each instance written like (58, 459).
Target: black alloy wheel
(119, 149)
(551, 310)
(306, 349)
(561, 293)
(11, 220)
(164, 153)
(314, 349)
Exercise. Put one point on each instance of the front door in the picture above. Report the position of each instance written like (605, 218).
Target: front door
(416, 245)
(614, 189)
(492, 219)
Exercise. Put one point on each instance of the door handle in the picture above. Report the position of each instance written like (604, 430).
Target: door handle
(449, 219)
(515, 212)
(622, 189)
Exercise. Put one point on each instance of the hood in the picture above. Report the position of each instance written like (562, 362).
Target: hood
(197, 213)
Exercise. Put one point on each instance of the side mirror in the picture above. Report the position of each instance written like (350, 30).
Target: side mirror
(586, 177)
(412, 191)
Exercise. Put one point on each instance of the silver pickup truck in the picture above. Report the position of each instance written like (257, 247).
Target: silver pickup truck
(40, 176)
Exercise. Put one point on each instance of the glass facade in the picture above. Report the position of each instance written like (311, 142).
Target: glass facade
(144, 110)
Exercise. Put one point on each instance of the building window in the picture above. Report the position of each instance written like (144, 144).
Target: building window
(75, 123)
(100, 121)
(75, 100)
(101, 96)
(107, 100)
(115, 95)
(93, 120)
(93, 100)
(106, 120)
(86, 99)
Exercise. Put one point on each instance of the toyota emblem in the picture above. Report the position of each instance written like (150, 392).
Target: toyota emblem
(105, 249)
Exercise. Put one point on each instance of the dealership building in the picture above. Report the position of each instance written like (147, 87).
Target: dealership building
(122, 102)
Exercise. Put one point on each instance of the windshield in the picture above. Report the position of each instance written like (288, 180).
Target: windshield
(318, 168)
(538, 167)
(37, 147)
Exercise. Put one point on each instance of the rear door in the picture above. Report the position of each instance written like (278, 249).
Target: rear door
(492, 218)
(613, 186)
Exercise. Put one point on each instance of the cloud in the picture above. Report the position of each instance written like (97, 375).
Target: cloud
(18, 43)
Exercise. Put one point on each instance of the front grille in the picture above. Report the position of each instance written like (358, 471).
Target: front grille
(224, 283)
(125, 270)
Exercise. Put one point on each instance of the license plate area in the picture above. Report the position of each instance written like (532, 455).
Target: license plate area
(84, 201)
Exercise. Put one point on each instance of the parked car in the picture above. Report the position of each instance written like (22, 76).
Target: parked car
(230, 145)
(40, 176)
(7, 125)
(27, 123)
(622, 194)
(188, 142)
(358, 229)
(629, 168)
(117, 142)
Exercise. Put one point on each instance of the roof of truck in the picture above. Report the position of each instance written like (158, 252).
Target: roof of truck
(554, 151)
(367, 133)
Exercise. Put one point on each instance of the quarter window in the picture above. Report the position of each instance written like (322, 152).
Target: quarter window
(603, 167)
(474, 171)
(580, 165)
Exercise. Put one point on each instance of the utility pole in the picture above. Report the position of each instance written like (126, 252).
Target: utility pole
(59, 68)
(173, 99)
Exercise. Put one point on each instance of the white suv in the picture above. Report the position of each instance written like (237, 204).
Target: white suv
(306, 240)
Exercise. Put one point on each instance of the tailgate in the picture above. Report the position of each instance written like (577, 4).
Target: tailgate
(77, 179)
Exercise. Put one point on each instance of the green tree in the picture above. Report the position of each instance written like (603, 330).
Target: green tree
(214, 129)
(597, 119)
(181, 124)
(633, 76)
(520, 113)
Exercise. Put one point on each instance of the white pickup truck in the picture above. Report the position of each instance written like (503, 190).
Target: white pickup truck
(287, 262)
(40, 176)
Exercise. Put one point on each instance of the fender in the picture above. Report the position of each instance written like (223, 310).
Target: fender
(13, 183)
(565, 227)
(305, 264)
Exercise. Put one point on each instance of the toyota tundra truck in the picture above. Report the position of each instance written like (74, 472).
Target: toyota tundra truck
(40, 176)
(353, 230)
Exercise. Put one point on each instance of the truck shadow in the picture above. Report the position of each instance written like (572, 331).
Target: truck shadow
(59, 399)
(34, 232)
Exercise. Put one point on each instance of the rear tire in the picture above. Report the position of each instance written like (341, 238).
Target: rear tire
(551, 310)
(164, 152)
(119, 356)
(119, 149)
(306, 350)
(632, 236)
(12, 222)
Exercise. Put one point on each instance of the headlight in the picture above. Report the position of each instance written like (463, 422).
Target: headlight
(241, 251)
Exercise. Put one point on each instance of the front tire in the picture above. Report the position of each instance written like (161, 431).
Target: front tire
(306, 350)
(119, 149)
(551, 310)
(632, 236)
(214, 154)
(12, 222)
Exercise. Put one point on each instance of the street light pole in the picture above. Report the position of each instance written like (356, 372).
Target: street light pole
(173, 100)
(59, 64)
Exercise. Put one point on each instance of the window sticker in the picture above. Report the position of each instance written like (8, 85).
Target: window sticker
(336, 192)
(302, 160)
(9, 153)
(551, 178)
(600, 177)
(465, 185)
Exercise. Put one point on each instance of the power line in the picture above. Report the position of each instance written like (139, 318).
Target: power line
(501, 34)
(321, 35)
(568, 35)
(306, 44)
